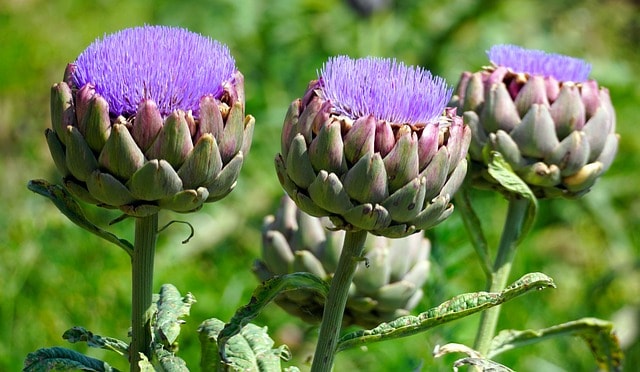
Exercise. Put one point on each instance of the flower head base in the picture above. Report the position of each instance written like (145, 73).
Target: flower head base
(371, 153)
(538, 62)
(386, 288)
(555, 128)
(139, 126)
(383, 88)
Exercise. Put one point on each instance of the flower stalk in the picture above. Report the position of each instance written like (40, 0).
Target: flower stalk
(142, 287)
(516, 216)
(352, 252)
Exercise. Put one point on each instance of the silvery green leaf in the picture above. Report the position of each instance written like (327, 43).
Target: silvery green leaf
(261, 297)
(486, 365)
(61, 359)
(500, 170)
(80, 334)
(473, 358)
(595, 332)
(249, 350)
(455, 308)
(167, 361)
(171, 307)
(70, 208)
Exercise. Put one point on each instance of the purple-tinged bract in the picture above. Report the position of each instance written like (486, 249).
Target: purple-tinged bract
(555, 128)
(538, 62)
(387, 89)
(150, 118)
(372, 145)
(172, 66)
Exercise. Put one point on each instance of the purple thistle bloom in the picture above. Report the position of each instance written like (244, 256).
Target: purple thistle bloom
(387, 89)
(171, 66)
(538, 62)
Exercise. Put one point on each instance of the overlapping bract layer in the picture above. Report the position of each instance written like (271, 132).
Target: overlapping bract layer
(558, 136)
(148, 161)
(388, 288)
(390, 179)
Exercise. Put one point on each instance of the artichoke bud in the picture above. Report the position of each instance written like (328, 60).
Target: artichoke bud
(166, 139)
(554, 127)
(369, 150)
(387, 285)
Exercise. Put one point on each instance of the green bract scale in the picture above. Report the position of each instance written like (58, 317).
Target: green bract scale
(150, 118)
(555, 128)
(372, 146)
(387, 285)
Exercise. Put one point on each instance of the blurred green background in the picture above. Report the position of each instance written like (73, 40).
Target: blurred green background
(54, 276)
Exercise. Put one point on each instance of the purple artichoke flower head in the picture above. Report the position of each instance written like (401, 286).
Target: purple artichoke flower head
(538, 62)
(150, 118)
(172, 66)
(373, 145)
(553, 125)
(384, 88)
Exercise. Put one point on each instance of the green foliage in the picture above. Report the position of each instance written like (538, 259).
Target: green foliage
(596, 333)
(455, 308)
(171, 307)
(500, 170)
(55, 275)
(262, 296)
(79, 334)
(61, 359)
(251, 349)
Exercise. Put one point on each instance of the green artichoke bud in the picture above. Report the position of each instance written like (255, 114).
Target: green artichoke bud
(371, 146)
(162, 129)
(555, 128)
(387, 285)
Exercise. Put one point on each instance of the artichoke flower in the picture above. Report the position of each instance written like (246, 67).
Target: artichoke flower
(150, 118)
(554, 127)
(372, 146)
(387, 285)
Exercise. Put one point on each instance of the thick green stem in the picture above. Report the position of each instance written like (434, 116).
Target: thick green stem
(142, 287)
(513, 225)
(337, 300)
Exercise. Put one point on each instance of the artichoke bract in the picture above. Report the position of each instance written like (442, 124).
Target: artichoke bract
(387, 284)
(150, 118)
(554, 127)
(372, 146)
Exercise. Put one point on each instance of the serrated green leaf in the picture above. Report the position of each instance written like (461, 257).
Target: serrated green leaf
(486, 365)
(501, 171)
(70, 208)
(457, 307)
(145, 365)
(164, 360)
(80, 334)
(249, 350)
(597, 334)
(61, 359)
(264, 294)
(171, 307)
